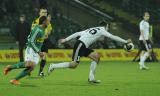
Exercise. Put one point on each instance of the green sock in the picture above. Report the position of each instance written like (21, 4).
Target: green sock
(23, 74)
(18, 65)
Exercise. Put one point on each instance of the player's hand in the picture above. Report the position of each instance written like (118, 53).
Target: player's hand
(62, 41)
(41, 54)
(129, 41)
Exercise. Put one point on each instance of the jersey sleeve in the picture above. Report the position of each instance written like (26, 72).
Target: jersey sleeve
(73, 36)
(48, 29)
(113, 37)
(32, 41)
(34, 23)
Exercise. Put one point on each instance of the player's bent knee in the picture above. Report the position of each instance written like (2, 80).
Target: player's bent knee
(44, 56)
(97, 57)
(30, 65)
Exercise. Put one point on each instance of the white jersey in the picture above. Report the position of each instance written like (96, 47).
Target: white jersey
(144, 26)
(91, 35)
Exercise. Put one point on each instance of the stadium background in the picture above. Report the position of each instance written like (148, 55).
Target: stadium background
(69, 16)
(120, 76)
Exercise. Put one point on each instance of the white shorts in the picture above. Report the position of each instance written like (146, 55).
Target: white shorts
(31, 55)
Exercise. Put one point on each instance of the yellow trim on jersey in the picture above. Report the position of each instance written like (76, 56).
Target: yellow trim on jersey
(47, 30)
(40, 40)
(35, 22)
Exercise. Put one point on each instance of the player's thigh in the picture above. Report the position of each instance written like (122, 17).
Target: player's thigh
(44, 55)
(77, 51)
(149, 45)
(94, 56)
(31, 56)
(44, 47)
(142, 46)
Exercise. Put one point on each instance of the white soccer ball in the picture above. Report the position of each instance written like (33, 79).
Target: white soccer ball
(128, 47)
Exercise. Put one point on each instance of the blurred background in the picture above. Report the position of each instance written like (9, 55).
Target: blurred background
(70, 16)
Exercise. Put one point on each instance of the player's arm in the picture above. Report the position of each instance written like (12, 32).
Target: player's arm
(151, 34)
(32, 41)
(116, 38)
(48, 30)
(33, 24)
(75, 35)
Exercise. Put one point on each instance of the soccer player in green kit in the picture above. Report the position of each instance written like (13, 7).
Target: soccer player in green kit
(32, 52)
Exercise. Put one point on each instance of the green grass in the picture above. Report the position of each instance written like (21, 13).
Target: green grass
(118, 79)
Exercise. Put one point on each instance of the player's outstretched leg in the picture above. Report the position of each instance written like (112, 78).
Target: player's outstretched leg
(29, 66)
(14, 66)
(21, 75)
(53, 66)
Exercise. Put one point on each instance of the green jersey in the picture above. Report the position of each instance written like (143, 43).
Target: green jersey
(36, 38)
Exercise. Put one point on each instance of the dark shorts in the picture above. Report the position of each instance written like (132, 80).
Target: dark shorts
(143, 46)
(80, 50)
(45, 46)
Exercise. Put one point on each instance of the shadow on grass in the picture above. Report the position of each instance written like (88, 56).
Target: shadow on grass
(28, 85)
(71, 83)
(34, 77)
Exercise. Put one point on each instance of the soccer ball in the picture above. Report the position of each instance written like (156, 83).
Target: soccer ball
(128, 47)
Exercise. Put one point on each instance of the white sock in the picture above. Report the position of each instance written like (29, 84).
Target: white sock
(146, 54)
(61, 65)
(92, 70)
(143, 58)
(141, 63)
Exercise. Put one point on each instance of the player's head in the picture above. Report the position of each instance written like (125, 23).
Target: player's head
(43, 12)
(146, 16)
(105, 24)
(22, 18)
(43, 21)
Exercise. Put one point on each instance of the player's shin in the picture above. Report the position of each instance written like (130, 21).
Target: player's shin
(92, 70)
(61, 65)
(18, 65)
(24, 73)
(42, 64)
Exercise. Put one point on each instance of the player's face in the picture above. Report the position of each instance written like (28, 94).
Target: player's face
(146, 16)
(43, 12)
(22, 19)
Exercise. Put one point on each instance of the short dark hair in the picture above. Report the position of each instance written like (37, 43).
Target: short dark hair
(22, 15)
(103, 23)
(42, 8)
(146, 12)
(42, 19)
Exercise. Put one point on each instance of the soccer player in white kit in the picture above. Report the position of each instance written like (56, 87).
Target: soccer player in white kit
(81, 48)
(145, 43)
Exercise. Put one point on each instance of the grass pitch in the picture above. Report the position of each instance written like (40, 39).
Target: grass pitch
(118, 79)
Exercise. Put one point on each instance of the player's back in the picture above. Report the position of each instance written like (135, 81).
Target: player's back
(36, 37)
(91, 35)
(47, 29)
